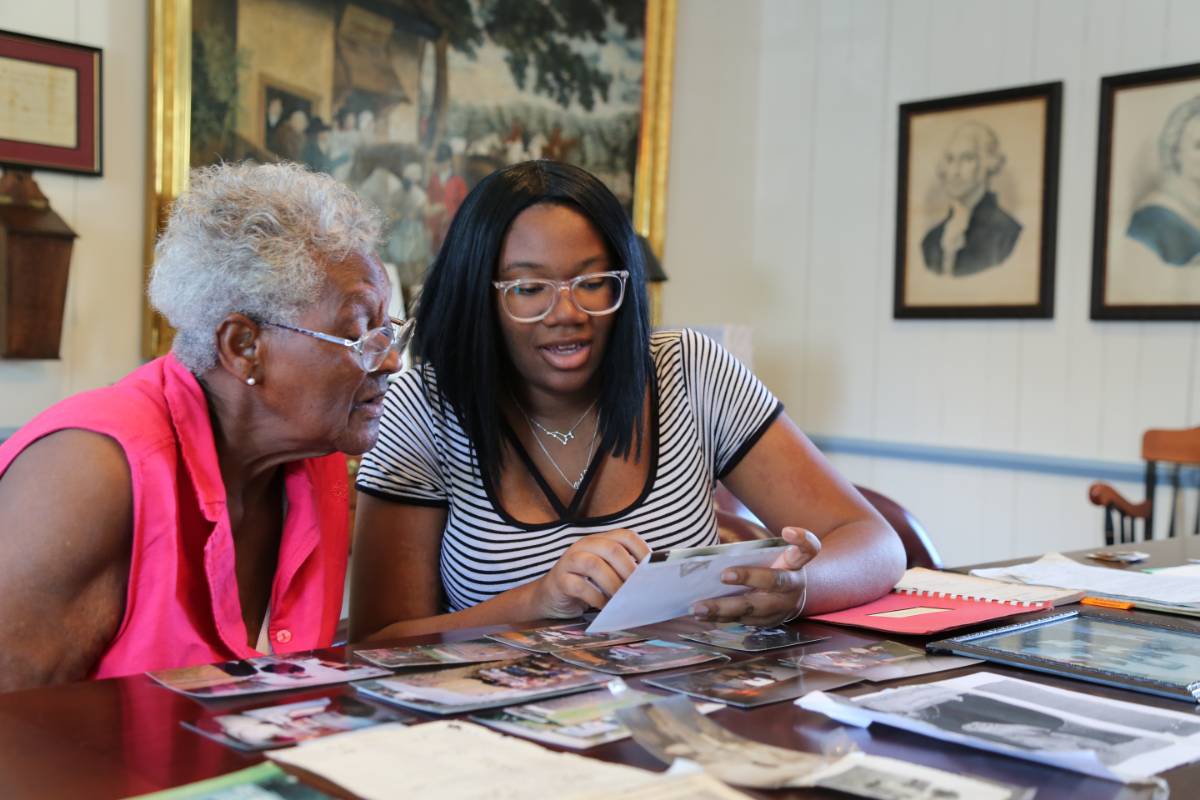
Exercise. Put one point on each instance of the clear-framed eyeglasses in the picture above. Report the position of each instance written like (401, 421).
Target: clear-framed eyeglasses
(532, 299)
(372, 347)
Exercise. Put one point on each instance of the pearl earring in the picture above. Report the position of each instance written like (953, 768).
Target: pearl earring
(250, 381)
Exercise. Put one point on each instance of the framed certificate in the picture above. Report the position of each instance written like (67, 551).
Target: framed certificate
(49, 104)
(1130, 652)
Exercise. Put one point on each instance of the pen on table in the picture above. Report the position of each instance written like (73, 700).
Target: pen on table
(1105, 602)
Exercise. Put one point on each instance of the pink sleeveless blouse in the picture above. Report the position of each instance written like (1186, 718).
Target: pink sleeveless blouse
(182, 605)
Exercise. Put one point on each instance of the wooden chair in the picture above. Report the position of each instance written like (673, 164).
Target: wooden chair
(737, 523)
(1177, 448)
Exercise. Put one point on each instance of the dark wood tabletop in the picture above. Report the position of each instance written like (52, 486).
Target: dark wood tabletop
(121, 737)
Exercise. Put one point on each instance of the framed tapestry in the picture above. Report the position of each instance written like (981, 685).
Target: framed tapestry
(976, 205)
(411, 102)
(1146, 243)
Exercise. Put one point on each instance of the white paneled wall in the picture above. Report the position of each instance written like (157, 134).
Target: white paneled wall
(100, 340)
(814, 248)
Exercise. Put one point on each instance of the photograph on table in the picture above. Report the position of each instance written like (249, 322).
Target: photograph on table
(976, 205)
(268, 727)
(879, 661)
(472, 651)
(1085, 733)
(1146, 240)
(562, 637)
(749, 639)
(751, 683)
(258, 675)
(1152, 655)
(577, 721)
(630, 659)
(412, 104)
(490, 685)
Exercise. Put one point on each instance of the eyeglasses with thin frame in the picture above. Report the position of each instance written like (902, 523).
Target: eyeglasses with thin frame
(532, 299)
(372, 347)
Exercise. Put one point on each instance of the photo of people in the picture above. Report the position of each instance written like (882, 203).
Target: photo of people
(628, 659)
(283, 725)
(490, 685)
(562, 637)
(473, 651)
(756, 682)
(266, 674)
(750, 639)
(976, 202)
(1147, 264)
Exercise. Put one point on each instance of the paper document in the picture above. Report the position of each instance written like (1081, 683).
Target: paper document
(463, 761)
(1054, 569)
(1108, 739)
(666, 584)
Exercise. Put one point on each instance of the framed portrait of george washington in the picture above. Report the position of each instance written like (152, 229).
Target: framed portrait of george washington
(411, 102)
(976, 205)
(1146, 242)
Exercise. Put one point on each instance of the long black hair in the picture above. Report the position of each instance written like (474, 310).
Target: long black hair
(457, 330)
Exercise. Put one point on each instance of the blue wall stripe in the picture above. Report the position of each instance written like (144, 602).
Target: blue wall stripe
(1093, 469)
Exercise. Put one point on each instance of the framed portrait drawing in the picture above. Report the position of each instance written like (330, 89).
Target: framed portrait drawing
(976, 205)
(50, 109)
(411, 102)
(1146, 244)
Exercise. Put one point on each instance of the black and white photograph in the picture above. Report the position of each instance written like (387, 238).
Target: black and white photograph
(1009, 724)
(976, 204)
(1127, 742)
(1146, 253)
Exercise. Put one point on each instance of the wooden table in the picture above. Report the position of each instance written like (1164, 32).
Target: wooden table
(114, 738)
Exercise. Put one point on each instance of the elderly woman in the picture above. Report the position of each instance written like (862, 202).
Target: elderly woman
(193, 512)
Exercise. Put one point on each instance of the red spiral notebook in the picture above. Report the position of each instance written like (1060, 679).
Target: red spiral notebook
(928, 601)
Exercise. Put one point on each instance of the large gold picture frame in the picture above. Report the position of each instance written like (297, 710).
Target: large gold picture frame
(170, 131)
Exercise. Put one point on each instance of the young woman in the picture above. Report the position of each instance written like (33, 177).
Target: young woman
(548, 440)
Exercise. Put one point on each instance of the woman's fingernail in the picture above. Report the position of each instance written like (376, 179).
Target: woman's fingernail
(700, 611)
(729, 576)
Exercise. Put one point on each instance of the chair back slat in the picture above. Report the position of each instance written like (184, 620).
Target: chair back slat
(1172, 446)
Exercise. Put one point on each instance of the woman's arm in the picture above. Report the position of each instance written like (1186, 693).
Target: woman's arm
(66, 526)
(788, 484)
(395, 583)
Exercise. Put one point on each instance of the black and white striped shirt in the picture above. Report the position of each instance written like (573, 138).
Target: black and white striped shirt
(707, 411)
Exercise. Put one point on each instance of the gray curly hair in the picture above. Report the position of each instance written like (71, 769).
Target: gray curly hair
(254, 239)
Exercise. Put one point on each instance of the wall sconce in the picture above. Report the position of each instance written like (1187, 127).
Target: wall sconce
(35, 257)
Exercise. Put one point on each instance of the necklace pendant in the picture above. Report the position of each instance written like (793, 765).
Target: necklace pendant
(561, 438)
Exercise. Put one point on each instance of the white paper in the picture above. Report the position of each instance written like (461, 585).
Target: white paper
(662, 590)
(1137, 741)
(937, 583)
(459, 761)
(1054, 569)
